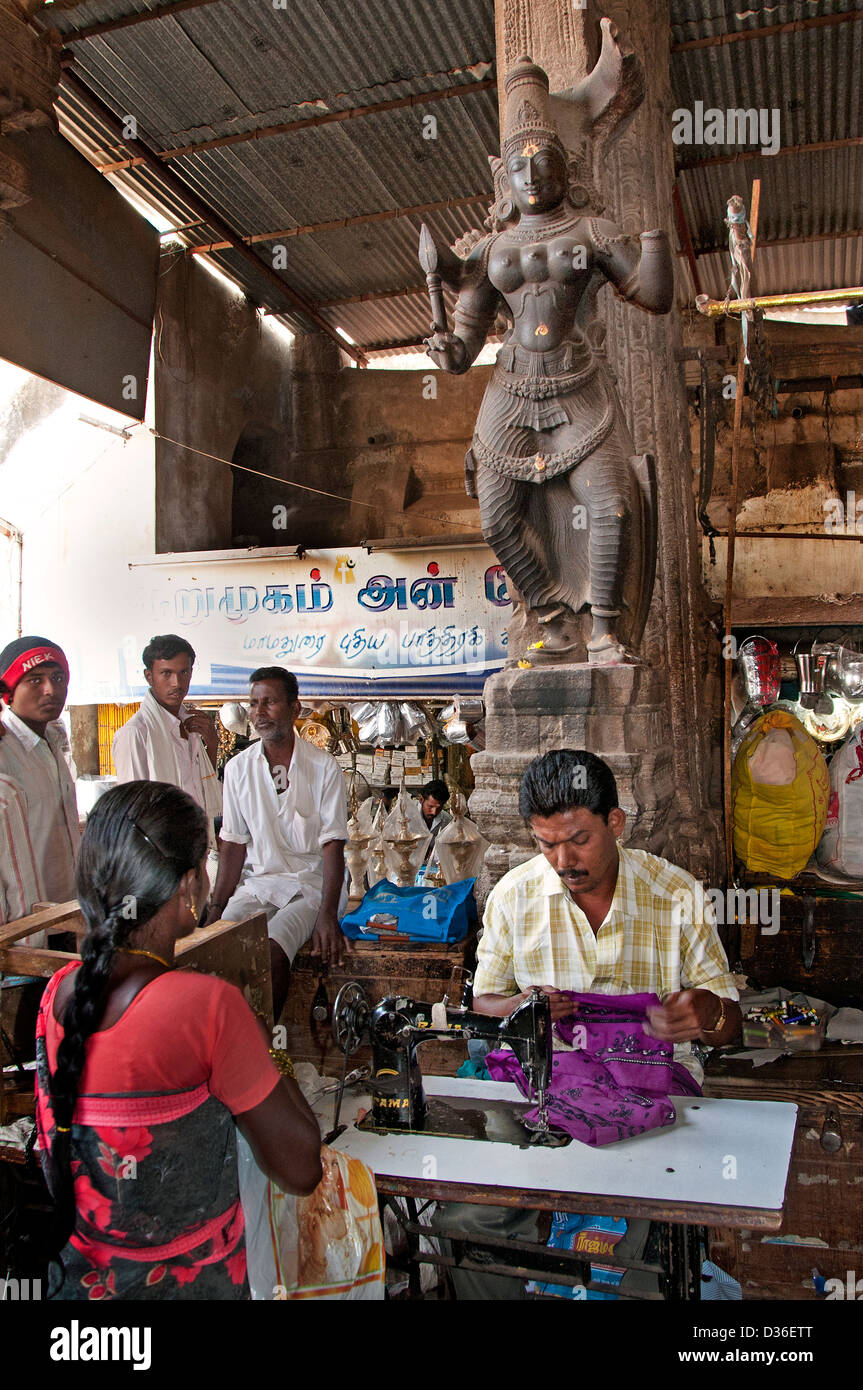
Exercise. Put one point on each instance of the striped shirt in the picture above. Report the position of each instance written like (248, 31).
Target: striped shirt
(38, 818)
(658, 936)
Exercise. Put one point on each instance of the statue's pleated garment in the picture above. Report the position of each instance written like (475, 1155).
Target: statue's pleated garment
(563, 530)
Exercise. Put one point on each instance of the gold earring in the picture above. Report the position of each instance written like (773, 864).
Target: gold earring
(194, 912)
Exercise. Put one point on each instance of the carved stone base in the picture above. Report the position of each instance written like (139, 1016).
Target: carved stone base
(619, 713)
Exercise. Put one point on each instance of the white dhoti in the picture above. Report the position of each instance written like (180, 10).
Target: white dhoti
(290, 927)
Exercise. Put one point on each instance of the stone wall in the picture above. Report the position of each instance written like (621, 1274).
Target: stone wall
(219, 372)
(391, 444)
(794, 468)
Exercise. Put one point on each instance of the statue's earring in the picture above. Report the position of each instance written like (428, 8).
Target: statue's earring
(505, 207)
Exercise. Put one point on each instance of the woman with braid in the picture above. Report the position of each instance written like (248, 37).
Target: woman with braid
(144, 1071)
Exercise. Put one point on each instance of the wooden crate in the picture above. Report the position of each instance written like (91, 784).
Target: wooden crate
(420, 971)
(835, 972)
(822, 1195)
(235, 951)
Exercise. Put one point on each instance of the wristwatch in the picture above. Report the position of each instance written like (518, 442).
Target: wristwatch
(720, 1022)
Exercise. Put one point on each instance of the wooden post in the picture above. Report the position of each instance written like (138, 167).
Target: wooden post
(729, 559)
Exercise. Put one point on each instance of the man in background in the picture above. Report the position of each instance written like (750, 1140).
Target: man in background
(39, 834)
(168, 740)
(433, 798)
(284, 830)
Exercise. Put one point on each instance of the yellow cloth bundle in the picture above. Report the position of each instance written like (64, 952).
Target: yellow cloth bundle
(780, 790)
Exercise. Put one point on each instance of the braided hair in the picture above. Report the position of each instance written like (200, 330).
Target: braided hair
(139, 841)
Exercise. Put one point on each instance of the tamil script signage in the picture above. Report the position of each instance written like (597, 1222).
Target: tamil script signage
(347, 622)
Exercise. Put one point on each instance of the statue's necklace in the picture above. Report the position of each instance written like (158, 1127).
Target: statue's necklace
(562, 222)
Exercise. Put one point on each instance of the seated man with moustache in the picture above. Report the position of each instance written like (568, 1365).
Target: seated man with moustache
(589, 915)
(284, 829)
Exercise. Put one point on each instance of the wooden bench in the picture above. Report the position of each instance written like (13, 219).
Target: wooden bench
(235, 951)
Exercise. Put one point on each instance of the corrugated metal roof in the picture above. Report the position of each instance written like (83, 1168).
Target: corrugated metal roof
(696, 19)
(811, 76)
(801, 195)
(819, 265)
(198, 73)
(218, 70)
(345, 170)
(228, 68)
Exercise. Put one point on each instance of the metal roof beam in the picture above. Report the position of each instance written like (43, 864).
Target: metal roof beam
(336, 225)
(307, 122)
(793, 26)
(370, 295)
(787, 241)
(390, 344)
(743, 155)
(287, 298)
(107, 26)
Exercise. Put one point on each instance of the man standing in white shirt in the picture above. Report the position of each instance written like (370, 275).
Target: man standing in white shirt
(39, 834)
(168, 740)
(284, 829)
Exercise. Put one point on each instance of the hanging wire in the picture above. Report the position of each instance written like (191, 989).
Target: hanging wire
(304, 487)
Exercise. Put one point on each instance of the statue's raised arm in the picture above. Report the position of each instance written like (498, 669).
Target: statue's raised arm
(566, 505)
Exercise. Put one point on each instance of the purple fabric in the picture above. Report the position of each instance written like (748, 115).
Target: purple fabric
(616, 1084)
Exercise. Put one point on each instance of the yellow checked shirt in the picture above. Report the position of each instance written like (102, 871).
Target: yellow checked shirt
(659, 936)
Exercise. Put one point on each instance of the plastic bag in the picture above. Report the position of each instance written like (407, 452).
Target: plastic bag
(326, 1245)
(426, 914)
(841, 846)
(587, 1235)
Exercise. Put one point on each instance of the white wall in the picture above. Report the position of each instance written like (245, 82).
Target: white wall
(10, 559)
(77, 583)
(83, 498)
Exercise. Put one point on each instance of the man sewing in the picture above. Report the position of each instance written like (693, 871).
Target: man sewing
(39, 834)
(168, 740)
(284, 829)
(588, 915)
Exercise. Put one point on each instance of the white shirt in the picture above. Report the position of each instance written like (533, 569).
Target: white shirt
(131, 750)
(39, 833)
(284, 832)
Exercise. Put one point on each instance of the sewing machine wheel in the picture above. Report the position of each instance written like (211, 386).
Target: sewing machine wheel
(351, 1016)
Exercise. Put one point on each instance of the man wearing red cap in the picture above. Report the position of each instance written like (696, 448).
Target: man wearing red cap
(39, 833)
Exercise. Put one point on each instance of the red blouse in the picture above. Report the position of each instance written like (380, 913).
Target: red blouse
(182, 1030)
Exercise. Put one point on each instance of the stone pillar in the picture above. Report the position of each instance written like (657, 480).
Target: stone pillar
(84, 728)
(657, 726)
(29, 80)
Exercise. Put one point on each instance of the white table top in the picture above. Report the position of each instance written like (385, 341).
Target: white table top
(719, 1154)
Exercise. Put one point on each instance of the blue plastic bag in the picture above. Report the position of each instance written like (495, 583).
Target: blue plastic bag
(426, 914)
(587, 1235)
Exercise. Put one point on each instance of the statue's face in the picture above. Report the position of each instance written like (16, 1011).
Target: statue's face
(537, 178)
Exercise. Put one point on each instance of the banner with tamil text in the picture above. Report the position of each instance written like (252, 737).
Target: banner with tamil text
(410, 622)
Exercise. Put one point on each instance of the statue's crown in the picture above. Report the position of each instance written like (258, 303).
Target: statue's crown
(528, 125)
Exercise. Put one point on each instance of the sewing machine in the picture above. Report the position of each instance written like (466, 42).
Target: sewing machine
(397, 1026)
